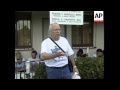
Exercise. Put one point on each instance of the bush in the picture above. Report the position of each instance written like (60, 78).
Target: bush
(90, 68)
(40, 72)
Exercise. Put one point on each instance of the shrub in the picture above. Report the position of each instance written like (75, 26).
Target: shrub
(90, 68)
(40, 72)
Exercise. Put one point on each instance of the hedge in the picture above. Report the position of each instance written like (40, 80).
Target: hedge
(89, 68)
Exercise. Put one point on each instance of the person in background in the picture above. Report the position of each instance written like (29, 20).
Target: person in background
(20, 64)
(81, 54)
(99, 53)
(34, 60)
(17, 55)
(85, 55)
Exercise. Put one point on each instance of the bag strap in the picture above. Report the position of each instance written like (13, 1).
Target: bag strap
(57, 44)
(69, 62)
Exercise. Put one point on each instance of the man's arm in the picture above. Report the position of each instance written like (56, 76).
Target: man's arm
(47, 56)
(44, 52)
(22, 69)
(71, 58)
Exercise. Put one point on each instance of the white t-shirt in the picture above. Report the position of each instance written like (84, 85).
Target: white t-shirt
(49, 46)
(36, 60)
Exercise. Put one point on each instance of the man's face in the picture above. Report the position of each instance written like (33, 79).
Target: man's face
(18, 53)
(19, 60)
(55, 32)
(33, 55)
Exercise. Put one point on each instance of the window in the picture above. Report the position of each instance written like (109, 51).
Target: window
(23, 30)
(82, 35)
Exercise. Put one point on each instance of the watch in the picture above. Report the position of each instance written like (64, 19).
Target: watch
(74, 66)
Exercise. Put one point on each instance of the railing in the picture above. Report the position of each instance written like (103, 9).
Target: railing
(27, 70)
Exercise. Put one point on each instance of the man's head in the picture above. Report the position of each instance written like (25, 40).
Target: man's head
(33, 54)
(18, 53)
(80, 53)
(19, 59)
(55, 31)
(99, 53)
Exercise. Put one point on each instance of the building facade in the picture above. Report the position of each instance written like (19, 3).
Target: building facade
(31, 28)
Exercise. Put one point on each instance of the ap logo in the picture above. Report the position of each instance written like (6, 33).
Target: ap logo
(98, 16)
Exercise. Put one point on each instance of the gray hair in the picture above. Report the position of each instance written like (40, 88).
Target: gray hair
(50, 26)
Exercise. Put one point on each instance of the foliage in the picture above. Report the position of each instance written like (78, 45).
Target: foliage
(40, 72)
(91, 68)
(28, 75)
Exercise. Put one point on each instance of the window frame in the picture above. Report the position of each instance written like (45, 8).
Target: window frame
(86, 20)
(23, 17)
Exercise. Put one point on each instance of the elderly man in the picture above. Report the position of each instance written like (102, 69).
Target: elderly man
(56, 61)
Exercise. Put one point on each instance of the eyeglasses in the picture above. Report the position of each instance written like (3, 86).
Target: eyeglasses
(57, 30)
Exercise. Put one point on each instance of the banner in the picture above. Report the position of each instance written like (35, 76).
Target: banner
(66, 17)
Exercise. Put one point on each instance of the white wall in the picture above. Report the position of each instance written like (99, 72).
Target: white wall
(37, 30)
(37, 34)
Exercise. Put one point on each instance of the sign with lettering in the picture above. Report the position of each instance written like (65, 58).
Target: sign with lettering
(98, 16)
(66, 17)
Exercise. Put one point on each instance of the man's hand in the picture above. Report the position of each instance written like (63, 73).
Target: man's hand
(60, 53)
(75, 69)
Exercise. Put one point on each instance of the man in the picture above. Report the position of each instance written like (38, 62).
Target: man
(80, 53)
(99, 53)
(34, 60)
(56, 61)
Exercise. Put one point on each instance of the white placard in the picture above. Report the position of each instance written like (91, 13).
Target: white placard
(66, 17)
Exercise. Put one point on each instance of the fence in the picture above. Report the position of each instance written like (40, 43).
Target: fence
(27, 70)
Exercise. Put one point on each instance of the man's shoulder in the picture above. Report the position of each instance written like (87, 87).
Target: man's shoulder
(37, 58)
(44, 41)
(63, 38)
(29, 59)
